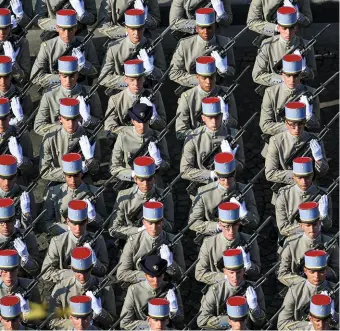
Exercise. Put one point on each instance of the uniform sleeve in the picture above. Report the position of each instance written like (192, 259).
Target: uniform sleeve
(177, 319)
(178, 15)
(102, 263)
(177, 268)
(286, 317)
(252, 216)
(93, 165)
(327, 221)
(163, 148)
(231, 64)
(32, 265)
(306, 16)
(255, 267)
(333, 262)
(96, 110)
(159, 122)
(50, 215)
(282, 219)
(226, 19)
(314, 121)
(154, 16)
(258, 315)
(101, 213)
(160, 65)
(183, 121)
(113, 123)
(310, 71)
(26, 167)
(233, 116)
(91, 67)
(106, 316)
(322, 167)
(22, 65)
(28, 14)
(90, 15)
(240, 158)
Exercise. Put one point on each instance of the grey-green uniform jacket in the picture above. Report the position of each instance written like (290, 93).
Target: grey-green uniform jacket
(139, 245)
(205, 207)
(198, 145)
(188, 50)
(128, 202)
(190, 109)
(209, 269)
(272, 51)
(58, 198)
(288, 200)
(297, 298)
(290, 270)
(55, 145)
(58, 256)
(47, 117)
(68, 287)
(112, 11)
(120, 52)
(262, 15)
(48, 55)
(184, 12)
(213, 306)
(27, 8)
(137, 297)
(122, 101)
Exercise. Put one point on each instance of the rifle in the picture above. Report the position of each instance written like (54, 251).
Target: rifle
(94, 88)
(269, 325)
(44, 323)
(24, 31)
(105, 281)
(63, 4)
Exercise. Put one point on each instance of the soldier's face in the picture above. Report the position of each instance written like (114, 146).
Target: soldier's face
(9, 277)
(157, 325)
(237, 325)
(153, 229)
(287, 33)
(206, 32)
(206, 83)
(154, 282)
(312, 231)
(68, 81)
(69, 125)
(295, 128)
(11, 324)
(82, 277)
(7, 228)
(78, 229)
(72, 181)
(303, 183)
(227, 183)
(144, 184)
(319, 324)
(81, 323)
(5, 83)
(140, 127)
(135, 84)
(135, 35)
(6, 184)
(235, 277)
(4, 33)
(213, 123)
(4, 123)
(229, 230)
(66, 35)
(291, 81)
(315, 277)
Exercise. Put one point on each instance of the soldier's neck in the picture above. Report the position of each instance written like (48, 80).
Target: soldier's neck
(6, 193)
(312, 240)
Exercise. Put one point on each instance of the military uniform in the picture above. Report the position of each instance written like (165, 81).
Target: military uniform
(59, 252)
(68, 287)
(27, 8)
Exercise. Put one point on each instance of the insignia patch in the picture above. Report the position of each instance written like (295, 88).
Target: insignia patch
(155, 267)
(142, 114)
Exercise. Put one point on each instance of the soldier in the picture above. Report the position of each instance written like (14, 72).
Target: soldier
(59, 196)
(273, 49)
(22, 12)
(129, 202)
(237, 311)
(134, 93)
(10, 46)
(133, 138)
(135, 41)
(59, 252)
(188, 49)
(158, 314)
(204, 140)
(204, 208)
(81, 281)
(290, 196)
(65, 140)
(209, 268)
(213, 303)
(150, 237)
(27, 248)
(47, 117)
(182, 13)
(137, 297)
(51, 50)
(298, 297)
(190, 102)
(293, 253)
(112, 12)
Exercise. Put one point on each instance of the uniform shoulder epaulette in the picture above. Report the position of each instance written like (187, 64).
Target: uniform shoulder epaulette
(44, 43)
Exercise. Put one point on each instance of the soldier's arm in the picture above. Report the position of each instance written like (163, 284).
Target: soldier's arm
(239, 157)
(93, 165)
(100, 267)
(160, 65)
(26, 167)
(233, 117)
(183, 121)
(227, 18)
(310, 71)
(177, 13)
(33, 263)
(177, 268)
(113, 123)
(177, 319)
(231, 64)
(108, 312)
(159, 122)
(154, 16)
(258, 315)
(321, 167)
(101, 213)
(96, 111)
(50, 215)
(169, 214)
(22, 65)
(91, 67)
(165, 165)
(286, 317)
(41, 10)
(90, 15)
(255, 267)
(314, 121)
(305, 16)
(252, 216)
(282, 219)
(327, 221)
(28, 14)
(333, 263)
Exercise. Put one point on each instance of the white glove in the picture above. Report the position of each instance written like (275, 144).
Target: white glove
(166, 254)
(21, 248)
(309, 107)
(24, 305)
(25, 203)
(147, 102)
(287, 3)
(142, 228)
(96, 303)
(78, 6)
(323, 206)
(213, 175)
(139, 5)
(80, 56)
(93, 254)
(17, 8)
(316, 150)
(251, 298)
(171, 297)
(218, 7)
(243, 208)
(17, 109)
(226, 148)
(15, 149)
(84, 109)
(297, 52)
(221, 64)
(9, 51)
(17, 224)
(147, 60)
(224, 109)
(14, 22)
(218, 228)
(91, 211)
(86, 148)
(155, 153)
(332, 308)
(83, 167)
(246, 258)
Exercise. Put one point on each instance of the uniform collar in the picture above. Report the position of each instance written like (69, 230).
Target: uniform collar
(147, 133)
(213, 133)
(75, 90)
(80, 188)
(75, 239)
(288, 43)
(312, 242)
(131, 44)
(155, 240)
(4, 194)
(63, 43)
(212, 41)
(298, 190)
(146, 195)
(85, 286)
(71, 135)
(229, 285)
(9, 92)
(231, 243)
(9, 289)
(317, 288)
(132, 95)
(223, 189)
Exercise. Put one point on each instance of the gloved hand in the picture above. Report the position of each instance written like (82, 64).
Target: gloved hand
(332, 308)
(78, 6)
(309, 107)
(251, 298)
(25, 203)
(155, 153)
(17, 224)
(221, 64)
(80, 56)
(93, 254)
(171, 297)
(323, 206)
(147, 102)
(246, 258)
(17, 8)
(316, 150)
(218, 228)
(297, 52)
(86, 148)
(224, 109)
(287, 3)
(226, 148)
(83, 167)
(213, 175)
(166, 254)
(147, 61)
(142, 228)
(14, 22)
(21, 248)
(91, 211)
(96, 303)
(243, 208)
(24, 304)
(15, 149)
(9, 51)
(17, 110)
(139, 5)
(84, 109)
(218, 7)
